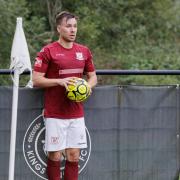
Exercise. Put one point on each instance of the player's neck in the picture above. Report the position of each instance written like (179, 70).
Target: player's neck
(65, 44)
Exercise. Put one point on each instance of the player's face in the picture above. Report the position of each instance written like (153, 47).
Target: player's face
(68, 29)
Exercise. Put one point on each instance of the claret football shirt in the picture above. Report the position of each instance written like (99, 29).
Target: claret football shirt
(58, 62)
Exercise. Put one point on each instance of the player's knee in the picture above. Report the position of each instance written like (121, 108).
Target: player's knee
(54, 156)
(73, 157)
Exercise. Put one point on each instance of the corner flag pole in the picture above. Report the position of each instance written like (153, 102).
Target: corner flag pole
(13, 126)
(20, 61)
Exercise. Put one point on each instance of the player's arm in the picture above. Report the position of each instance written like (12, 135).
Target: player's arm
(39, 80)
(91, 79)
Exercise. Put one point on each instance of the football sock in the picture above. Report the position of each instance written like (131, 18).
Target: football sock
(53, 170)
(71, 171)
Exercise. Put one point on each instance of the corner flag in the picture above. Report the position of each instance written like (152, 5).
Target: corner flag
(20, 61)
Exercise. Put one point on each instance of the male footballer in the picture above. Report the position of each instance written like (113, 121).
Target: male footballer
(55, 67)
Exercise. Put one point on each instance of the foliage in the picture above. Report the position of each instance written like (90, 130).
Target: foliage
(122, 34)
(33, 27)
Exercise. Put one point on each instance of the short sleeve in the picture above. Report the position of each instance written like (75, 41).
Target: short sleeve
(42, 60)
(89, 65)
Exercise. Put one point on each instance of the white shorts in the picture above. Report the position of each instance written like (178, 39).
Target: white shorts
(62, 134)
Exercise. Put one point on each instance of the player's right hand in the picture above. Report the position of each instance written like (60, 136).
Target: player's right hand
(67, 81)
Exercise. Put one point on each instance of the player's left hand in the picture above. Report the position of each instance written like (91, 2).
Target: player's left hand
(90, 89)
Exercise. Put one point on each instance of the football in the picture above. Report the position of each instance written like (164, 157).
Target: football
(78, 92)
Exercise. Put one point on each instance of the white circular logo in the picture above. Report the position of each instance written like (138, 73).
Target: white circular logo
(35, 155)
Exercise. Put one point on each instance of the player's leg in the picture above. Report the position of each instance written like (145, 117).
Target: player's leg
(76, 139)
(55, 142)
(71, 166)
(53, 165)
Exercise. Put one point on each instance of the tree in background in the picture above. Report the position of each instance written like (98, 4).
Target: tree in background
(123, 34)
(33, 25)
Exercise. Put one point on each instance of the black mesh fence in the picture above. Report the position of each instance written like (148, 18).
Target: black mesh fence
(133, 134)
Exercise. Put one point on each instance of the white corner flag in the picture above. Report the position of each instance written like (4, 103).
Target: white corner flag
(20, 61)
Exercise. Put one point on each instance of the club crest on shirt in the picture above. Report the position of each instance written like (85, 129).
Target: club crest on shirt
(79, 56)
